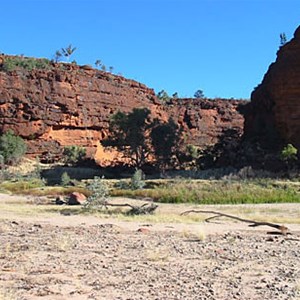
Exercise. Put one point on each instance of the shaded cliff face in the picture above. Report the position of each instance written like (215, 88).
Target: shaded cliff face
(273, 116)
(204, 121)
(72, 105)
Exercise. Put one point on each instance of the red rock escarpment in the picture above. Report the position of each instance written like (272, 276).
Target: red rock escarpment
(204, 120)
(71, 105)
(273, 116)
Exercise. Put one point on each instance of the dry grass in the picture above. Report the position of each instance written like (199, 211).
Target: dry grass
(7, 294)
(161, 254)
(217, 192)
(298, 290)
(195, 236)
(166, 213)
(62, 243)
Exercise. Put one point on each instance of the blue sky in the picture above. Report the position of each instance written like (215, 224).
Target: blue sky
(222, 47)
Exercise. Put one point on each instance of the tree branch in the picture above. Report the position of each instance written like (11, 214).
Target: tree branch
(283, 229)
(146, 208)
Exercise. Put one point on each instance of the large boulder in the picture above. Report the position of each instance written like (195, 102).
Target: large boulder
(76, 198)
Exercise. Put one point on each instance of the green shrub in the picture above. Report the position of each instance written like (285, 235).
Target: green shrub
(137, 180)
(65, 179)
(22, 186)
(122, 185)
(74, 154)
(216, 192)
(99, 193)
(26, 63)
(1, 161)
(289, 153)
(12, 147)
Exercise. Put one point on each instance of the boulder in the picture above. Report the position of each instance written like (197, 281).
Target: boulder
(76, 198)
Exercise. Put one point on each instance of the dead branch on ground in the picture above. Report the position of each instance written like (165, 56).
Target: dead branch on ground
(283, 229)
(146, 208)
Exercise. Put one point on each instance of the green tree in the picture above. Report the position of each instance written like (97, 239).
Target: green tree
(74, 154)
(163, 95)
(57, 56)
(98, 63)
(289, 156)
(175, 95)
(199, 94)
(68, 51)
(128, 135)
(289, 153)
(283, 39)
(12, 147)
(165, 138)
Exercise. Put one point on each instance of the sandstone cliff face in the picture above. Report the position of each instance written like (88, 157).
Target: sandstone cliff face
(71, 105)
(204, 121)
(273, 116)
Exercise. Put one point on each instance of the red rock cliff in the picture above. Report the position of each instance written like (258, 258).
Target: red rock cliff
(205, 120)
(71, 105)
(273, 116)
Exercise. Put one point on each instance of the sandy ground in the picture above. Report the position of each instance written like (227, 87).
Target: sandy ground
(85, 257)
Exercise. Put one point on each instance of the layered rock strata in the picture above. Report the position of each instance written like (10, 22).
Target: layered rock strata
(273, 116)
(71, 105)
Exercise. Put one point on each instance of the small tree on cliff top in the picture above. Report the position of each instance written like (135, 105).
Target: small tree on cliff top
(68, 51)
(128, 135)
(199, 94)
(163, 95)
(283, 39)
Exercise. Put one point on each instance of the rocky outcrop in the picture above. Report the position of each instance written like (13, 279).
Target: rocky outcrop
(66, 104)
(204, 121)
(273, 116)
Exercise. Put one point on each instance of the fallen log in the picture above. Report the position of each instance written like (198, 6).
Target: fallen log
(283, 229)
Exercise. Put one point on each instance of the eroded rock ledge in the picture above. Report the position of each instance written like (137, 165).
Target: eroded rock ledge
(273, 116)
(71, 105)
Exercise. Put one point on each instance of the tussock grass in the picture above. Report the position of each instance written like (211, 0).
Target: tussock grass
(7, 294)
(189, 235)
(62, 243)
(21, 186)
(36, 187)
(179, 191)
(54, 191)
(186, 194)
(218, 192)
(161, 254)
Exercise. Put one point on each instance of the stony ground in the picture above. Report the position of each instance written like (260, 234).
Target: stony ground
(78, 257)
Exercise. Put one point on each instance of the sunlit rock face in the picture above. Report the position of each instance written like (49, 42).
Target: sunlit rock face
(72, 105)
(273, 116)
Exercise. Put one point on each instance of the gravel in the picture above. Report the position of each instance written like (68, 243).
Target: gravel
(108, 261)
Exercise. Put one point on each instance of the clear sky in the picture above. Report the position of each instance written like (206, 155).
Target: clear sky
(222, 47)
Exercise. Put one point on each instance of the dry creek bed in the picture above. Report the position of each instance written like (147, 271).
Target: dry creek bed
(81, 257)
